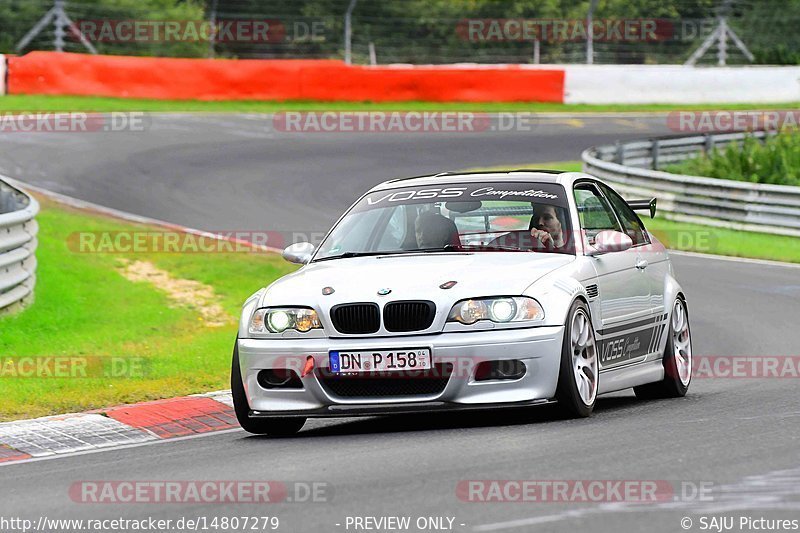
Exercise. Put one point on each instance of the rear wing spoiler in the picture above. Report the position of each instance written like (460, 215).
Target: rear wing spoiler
(644, 205)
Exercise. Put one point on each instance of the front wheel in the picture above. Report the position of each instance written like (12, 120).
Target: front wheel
(677, 359)
(579, 372)
(276, 427)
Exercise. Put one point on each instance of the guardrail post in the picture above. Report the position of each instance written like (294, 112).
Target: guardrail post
(654, 150)
(619, 154)
(709, 144)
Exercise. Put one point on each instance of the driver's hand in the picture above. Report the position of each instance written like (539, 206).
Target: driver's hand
(544, 237)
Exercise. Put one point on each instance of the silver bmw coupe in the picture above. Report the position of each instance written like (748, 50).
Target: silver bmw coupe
(466, 291)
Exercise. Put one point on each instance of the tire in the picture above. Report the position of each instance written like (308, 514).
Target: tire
(276, 427)
(677, 358)
(578, 376)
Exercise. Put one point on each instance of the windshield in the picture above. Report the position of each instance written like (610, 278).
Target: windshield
(481, 217)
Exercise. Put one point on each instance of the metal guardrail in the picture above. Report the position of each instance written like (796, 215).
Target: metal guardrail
(18, 230)
(633, 169)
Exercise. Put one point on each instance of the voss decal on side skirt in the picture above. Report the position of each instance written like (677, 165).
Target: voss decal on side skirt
(621, 349)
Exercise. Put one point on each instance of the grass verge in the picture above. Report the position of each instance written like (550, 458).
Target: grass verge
(699, 238)
(85, 308)
(21, 103)
(723, 241)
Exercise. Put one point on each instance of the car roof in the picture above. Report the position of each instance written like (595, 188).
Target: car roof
(522, 175)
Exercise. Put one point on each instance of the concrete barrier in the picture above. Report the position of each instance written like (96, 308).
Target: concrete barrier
(289, 79)
(3, 73)
(332, 80)
(674, 84)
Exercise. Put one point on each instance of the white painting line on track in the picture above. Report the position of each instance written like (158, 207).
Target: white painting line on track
(776, 490)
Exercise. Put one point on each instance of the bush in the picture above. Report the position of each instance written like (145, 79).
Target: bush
(775, 160)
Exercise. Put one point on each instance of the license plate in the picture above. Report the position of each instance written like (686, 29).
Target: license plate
(380, 360)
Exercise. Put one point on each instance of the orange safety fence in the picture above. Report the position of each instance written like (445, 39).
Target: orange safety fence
(276, 79)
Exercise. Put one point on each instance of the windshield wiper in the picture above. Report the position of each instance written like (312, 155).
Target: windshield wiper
(347, 255)
(486, 247)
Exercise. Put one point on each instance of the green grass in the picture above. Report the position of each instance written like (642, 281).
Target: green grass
(84, 307)
(41, 103)
(696, 237)
(723, 241)
(776, 160)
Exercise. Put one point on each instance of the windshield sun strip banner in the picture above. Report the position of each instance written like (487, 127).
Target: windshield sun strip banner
(545, 193)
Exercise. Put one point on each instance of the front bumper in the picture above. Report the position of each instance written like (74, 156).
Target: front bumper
(539, 348)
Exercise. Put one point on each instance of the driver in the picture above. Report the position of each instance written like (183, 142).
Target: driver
(546, 226)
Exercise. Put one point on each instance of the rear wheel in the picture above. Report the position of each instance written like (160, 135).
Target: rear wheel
(579, 372)
(677, 358)
(277, 427)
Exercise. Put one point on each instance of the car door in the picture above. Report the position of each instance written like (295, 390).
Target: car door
(650, 258)
(624, 291)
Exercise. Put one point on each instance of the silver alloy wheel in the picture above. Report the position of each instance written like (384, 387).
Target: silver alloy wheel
(681, 342)
(584, 356)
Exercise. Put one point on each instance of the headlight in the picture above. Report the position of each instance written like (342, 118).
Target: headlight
(278, 320)
(502, 310)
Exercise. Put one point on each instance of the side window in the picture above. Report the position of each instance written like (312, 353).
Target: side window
(594, 212)
(633, 224)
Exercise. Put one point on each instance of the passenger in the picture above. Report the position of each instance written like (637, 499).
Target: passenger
(435, 231)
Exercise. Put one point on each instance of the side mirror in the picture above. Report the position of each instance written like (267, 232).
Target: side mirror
(299, 253)
(611, 241)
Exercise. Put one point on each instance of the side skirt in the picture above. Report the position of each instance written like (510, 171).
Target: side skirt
(615, 379)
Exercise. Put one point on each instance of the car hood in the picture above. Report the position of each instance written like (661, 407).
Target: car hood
(413, 276)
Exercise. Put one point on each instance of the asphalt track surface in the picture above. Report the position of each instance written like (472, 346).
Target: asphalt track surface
(223, 172)
(741, 436)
